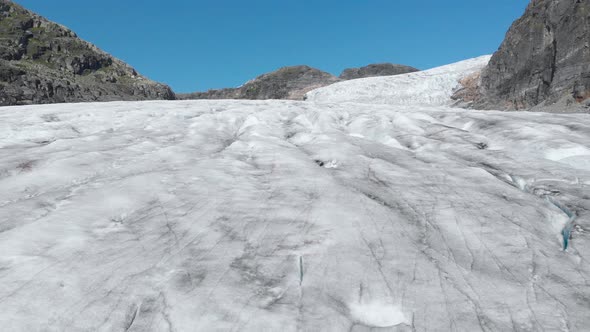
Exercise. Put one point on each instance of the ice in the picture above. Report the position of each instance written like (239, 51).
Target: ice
(291, 216)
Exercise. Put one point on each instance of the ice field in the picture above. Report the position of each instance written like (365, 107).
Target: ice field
(372, 206)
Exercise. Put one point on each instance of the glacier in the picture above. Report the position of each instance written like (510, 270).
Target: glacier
(372, 206)
(432, 87)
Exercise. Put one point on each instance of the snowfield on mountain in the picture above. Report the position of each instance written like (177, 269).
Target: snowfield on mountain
(373, 205)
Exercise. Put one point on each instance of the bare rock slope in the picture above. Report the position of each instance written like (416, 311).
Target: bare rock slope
(44, 62)
(544, 61)
(377, 69)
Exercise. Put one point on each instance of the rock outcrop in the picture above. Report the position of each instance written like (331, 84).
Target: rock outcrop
(286, 83)
(44, 62)
(544, 61)
(378, 69)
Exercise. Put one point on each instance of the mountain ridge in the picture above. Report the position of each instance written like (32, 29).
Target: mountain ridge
(293, 82)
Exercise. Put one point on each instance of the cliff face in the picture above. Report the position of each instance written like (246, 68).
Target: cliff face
(44, 62)
(544, 59)
(377, 69)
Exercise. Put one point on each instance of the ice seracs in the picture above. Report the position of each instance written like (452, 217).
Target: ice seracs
(432, 87)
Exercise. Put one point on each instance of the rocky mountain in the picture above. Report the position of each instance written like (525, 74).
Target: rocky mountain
(285, 83)
(544, 61)
(377, 69)
(44, 62)
(294, 82)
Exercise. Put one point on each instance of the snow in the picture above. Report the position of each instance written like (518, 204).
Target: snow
(283, 215)
(577, 156)
(378, 314)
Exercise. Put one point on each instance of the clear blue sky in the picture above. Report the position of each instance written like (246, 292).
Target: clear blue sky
(197, 45)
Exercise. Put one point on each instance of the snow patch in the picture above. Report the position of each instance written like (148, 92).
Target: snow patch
(576, 156)
(564, 153)
(331, 164)
(376, 314)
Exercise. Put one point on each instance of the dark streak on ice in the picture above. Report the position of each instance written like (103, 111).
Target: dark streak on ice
(132, 319)
(300, 270)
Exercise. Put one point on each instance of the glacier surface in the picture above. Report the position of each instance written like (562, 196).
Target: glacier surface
(347, 212)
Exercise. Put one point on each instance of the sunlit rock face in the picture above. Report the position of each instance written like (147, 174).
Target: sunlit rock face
(294, 216)
(544, 60)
